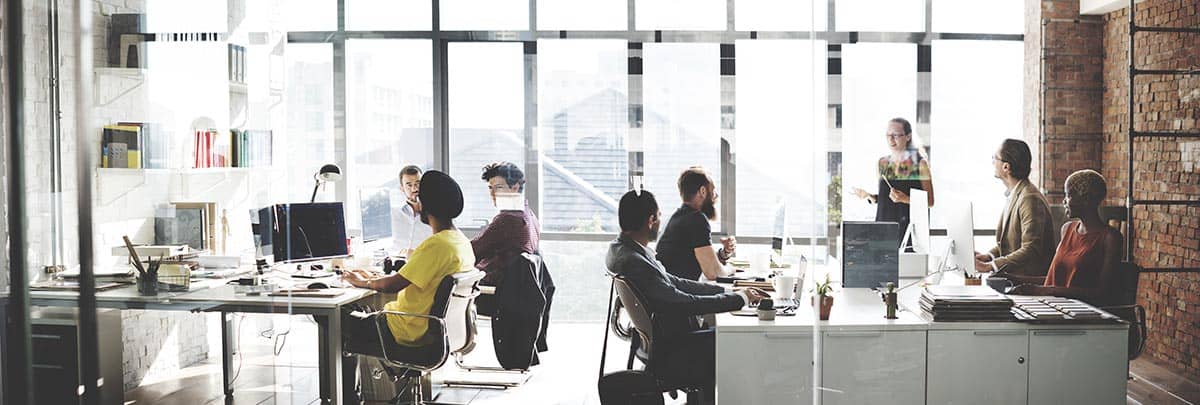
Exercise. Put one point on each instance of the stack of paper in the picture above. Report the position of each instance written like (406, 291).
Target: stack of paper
(965, 303)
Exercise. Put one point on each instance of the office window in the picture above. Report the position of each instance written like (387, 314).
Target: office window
(582, 15)
(389, 15)
(681, 117)
(487, 118)
(781, 136)
(880, 15)
(781, 15)
(389, 114)
(979, 16)
(475, 15)
(310, 15)
(680, 14)
(977, 102)
(583, 121)
(879, 82)
(309, 66)
(185, 16)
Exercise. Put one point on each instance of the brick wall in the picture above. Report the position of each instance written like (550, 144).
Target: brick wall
(1168, 169)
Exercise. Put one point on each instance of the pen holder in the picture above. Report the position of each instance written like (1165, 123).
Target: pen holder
(147, 284)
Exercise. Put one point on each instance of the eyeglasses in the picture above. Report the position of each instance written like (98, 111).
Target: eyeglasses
(895, 136)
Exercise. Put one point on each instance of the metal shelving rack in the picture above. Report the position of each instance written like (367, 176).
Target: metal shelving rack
(1133, 134)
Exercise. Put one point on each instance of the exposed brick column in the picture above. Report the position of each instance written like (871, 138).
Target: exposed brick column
(1165, 169)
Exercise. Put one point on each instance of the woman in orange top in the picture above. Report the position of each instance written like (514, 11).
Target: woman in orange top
(1086, 261)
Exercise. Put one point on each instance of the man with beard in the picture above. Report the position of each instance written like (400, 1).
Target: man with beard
(683, 352)
(685, 248)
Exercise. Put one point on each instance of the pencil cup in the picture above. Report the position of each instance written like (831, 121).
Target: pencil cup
(147, 284)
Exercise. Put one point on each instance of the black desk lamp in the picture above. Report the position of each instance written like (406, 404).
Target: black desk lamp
(329, 172)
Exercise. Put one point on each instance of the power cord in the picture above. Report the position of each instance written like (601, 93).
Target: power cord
(239, 350)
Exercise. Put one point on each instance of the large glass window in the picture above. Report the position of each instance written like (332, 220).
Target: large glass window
(681, 117)
(487, 111)
(781, 15)
(979, 16)
(583, 121)
(389, 115)
(680, 14)
(309, 140)
(880, 15)
(879, 82)
(310, 15)
(582, 14)
(781, 125)
(977, 101)
(474, 15)
(389, 15)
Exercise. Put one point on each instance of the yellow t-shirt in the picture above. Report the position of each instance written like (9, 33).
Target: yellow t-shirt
(445, 253)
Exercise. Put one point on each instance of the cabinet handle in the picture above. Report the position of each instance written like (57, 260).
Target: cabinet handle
(41, 336)
(1021, 360)
(854, 334)
(999, 332)
(787, 336)
(1059, 333)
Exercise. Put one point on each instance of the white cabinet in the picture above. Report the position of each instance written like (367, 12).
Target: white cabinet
(1077, 366)
(764, 368)
(873, 367)
(978, 366)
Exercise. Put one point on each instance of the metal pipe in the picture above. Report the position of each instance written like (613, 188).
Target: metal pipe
(89, 353)
(19, 371)
(1130, 231)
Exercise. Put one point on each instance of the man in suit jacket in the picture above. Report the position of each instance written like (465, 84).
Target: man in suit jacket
(1025, 234)
(682, 351)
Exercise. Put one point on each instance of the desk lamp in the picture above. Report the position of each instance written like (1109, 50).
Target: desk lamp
(329, 172)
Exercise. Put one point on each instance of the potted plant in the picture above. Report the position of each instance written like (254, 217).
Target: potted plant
(823, 289)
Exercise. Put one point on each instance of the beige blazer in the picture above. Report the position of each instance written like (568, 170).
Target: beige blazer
(1025, 237)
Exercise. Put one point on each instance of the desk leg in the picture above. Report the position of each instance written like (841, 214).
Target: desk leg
(227, 337)
(329, 337)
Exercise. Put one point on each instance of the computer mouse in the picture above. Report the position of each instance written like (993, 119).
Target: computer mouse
(318, 286)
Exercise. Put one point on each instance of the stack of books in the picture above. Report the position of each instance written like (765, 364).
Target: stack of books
(965, 303)
(1056, 309)
(238, 148)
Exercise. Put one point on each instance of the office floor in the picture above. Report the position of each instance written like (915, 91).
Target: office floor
(567, 374)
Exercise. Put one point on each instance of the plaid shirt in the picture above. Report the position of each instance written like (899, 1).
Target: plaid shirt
(509, 234)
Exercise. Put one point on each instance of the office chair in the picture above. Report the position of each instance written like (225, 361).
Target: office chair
(643, 326)
(1126, 307)
(451, 330)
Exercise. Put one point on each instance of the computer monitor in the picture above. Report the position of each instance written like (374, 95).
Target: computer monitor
(779, 234)
(918, 218)
(376, 207)
(869, 254)
(302, 232)
(961, 230)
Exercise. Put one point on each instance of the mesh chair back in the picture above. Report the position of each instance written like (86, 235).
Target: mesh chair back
(639, 315)
(453, 304)
(1127, 283)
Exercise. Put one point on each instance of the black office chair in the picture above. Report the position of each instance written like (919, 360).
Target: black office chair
(451, 331)
(643, 340)
(1126, 307)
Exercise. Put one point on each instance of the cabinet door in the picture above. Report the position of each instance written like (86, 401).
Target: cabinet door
(873, 367)
(978, 367)
(1077, 366)
(764, 368)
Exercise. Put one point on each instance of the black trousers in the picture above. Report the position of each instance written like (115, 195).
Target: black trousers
(361, 335)
(687, 360)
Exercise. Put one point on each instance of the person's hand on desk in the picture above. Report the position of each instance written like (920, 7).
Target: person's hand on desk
(982, 266)
(754, 294)
(357, 278)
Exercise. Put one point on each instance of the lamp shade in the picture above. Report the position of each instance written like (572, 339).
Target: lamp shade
(329, 172)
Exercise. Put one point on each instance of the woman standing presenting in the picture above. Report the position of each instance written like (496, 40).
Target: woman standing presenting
(902, 170)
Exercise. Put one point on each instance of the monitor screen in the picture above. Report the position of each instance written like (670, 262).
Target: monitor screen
(376, 207)
(869, 254)
(300, 232)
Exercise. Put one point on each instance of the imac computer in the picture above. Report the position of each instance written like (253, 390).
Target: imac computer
(960, 250)
(376, 207)
(869, 255)
(301, 232)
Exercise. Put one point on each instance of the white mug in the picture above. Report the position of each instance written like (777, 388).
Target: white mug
(785, 286)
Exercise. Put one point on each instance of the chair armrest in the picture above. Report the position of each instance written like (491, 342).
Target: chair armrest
(487, 290)
(383, 344)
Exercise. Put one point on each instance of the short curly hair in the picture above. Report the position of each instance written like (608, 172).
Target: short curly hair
(511, 173)
(1087, 185)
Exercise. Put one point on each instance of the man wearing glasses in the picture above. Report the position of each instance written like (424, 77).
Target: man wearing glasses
(1025, 234)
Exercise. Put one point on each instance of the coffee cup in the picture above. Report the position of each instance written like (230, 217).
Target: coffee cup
(785, 285)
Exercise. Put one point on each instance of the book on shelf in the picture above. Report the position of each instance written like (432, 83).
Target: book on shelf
(251, 147)
(156, 144)
(121, 147)
(204, 153)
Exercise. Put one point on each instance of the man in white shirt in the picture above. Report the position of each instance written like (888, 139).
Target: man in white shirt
(407, 228)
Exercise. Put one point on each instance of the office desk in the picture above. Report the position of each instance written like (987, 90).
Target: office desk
(858, 357)
(217, 296)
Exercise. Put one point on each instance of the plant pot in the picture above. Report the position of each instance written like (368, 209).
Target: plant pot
(826, 306)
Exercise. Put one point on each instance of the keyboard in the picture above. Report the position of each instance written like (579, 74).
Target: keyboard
(786, 303)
